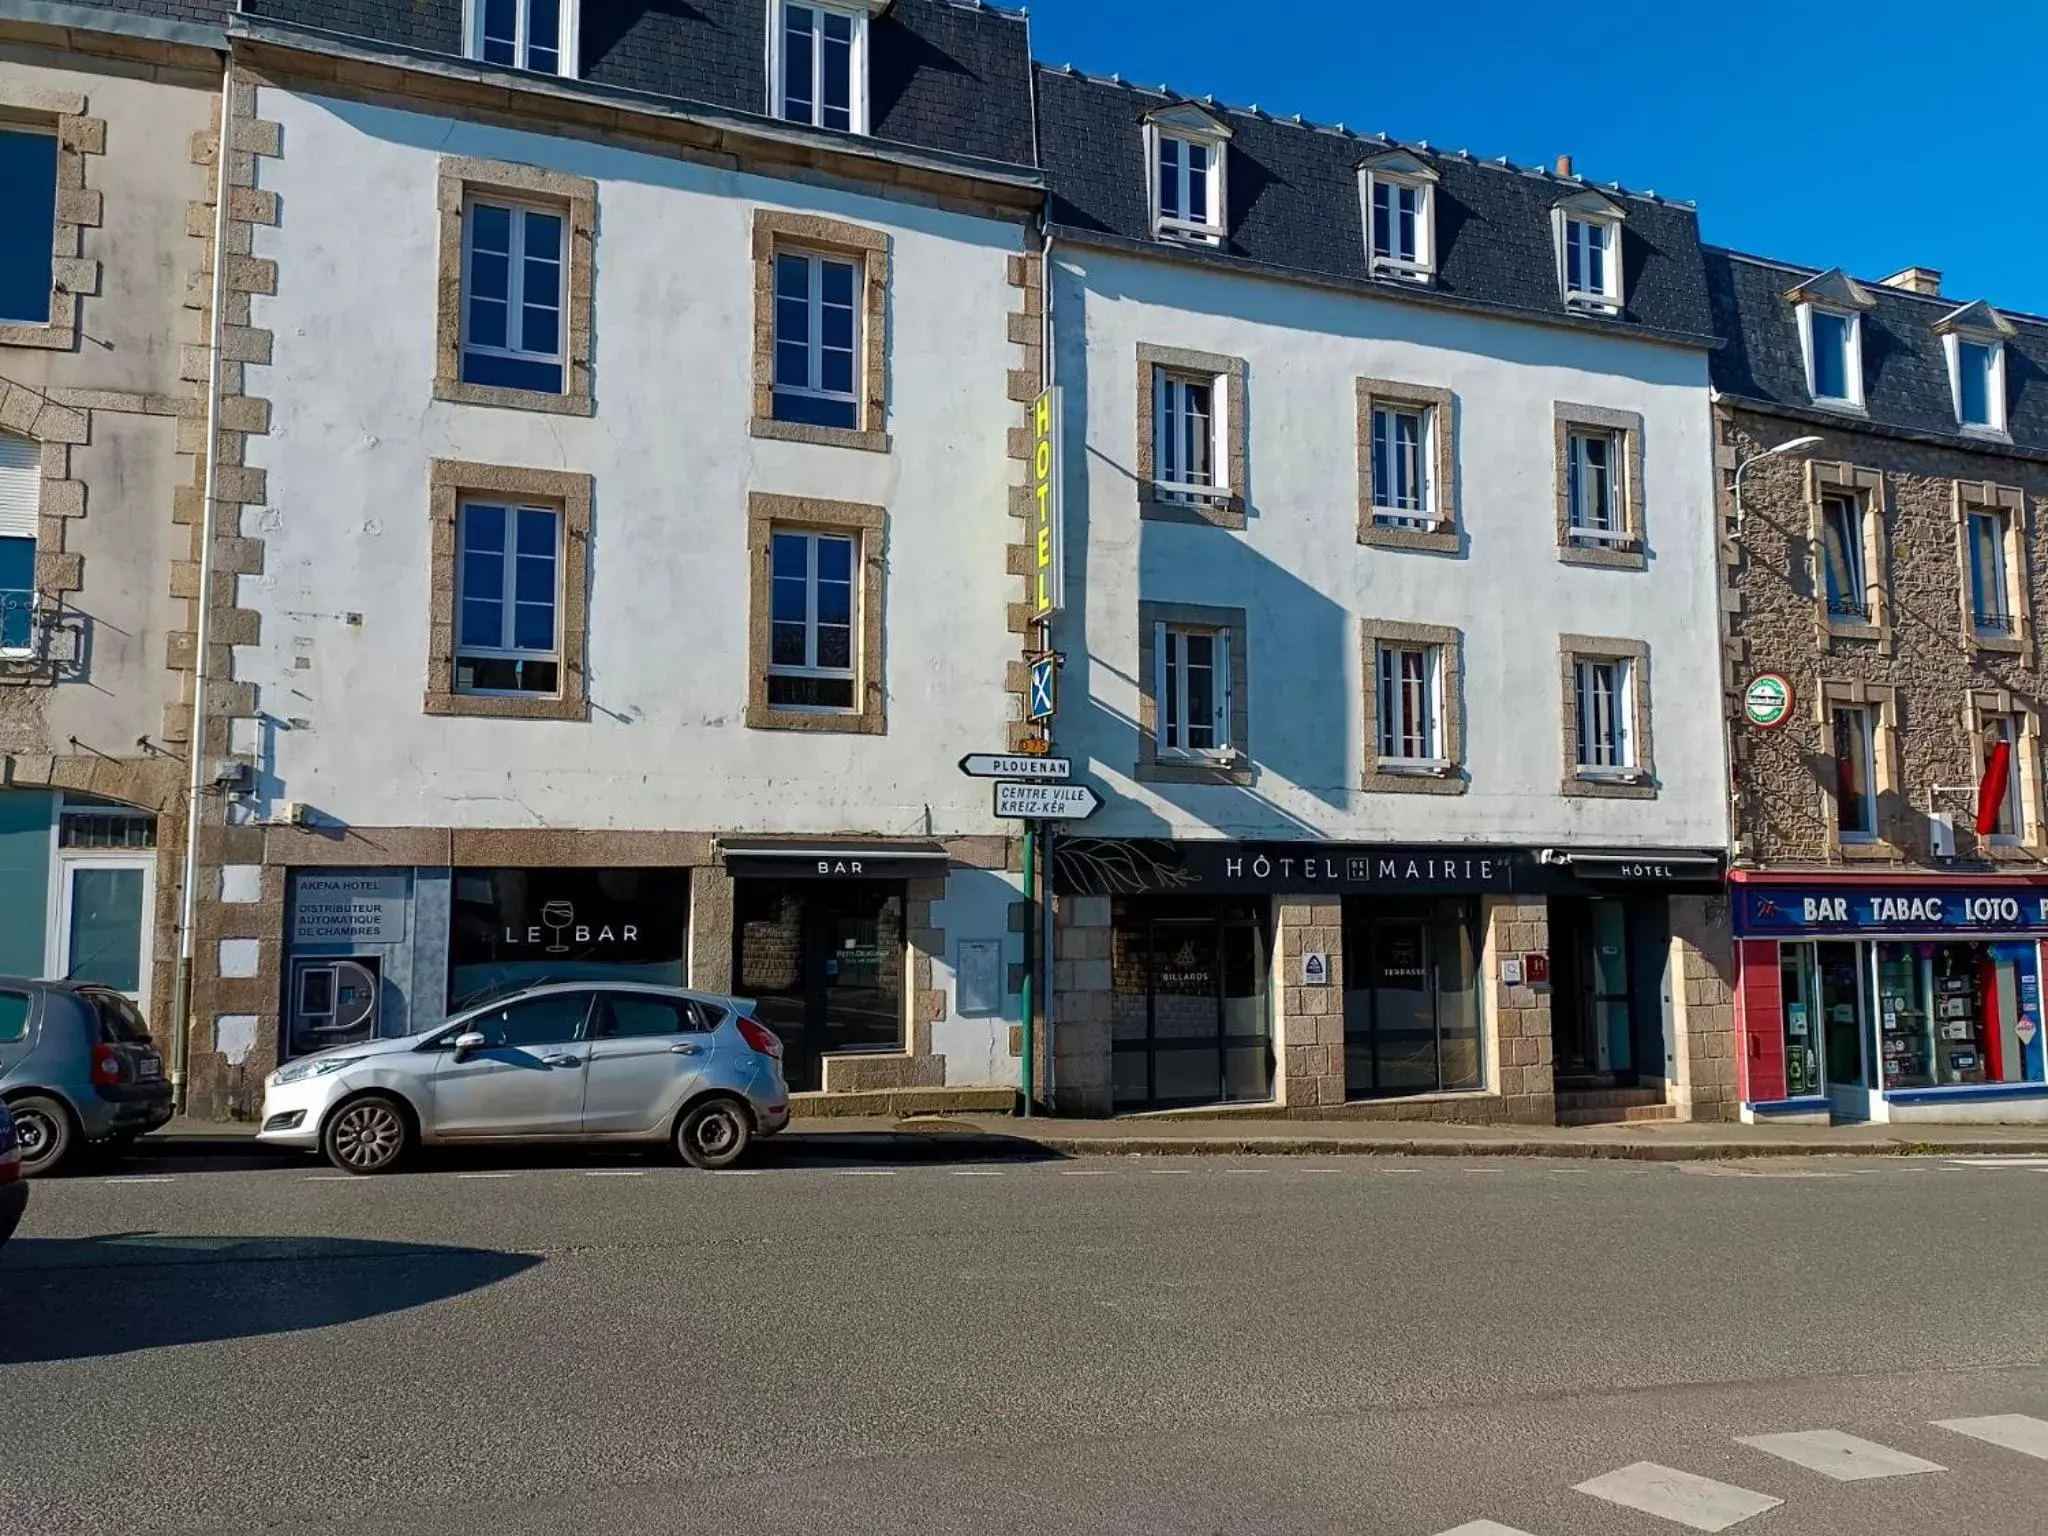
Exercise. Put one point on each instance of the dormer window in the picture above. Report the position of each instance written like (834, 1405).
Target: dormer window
(536, 35)
(1399, 193)
(818, 62)
(1974, 339)
(1588, 232)
(1186, 150)
(1831, 310)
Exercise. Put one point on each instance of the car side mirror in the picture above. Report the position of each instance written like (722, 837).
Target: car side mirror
(468, 1044)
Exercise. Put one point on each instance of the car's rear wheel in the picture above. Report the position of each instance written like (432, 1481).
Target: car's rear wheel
(42, 1127)
(715, 1134)
(367, 1135)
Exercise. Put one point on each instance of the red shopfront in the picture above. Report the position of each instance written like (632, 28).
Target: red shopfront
(1890, 997)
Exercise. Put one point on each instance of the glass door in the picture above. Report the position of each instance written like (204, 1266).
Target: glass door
(824, 965)
(1842, 985)
(102, 933)
(1188, 1014)
(1411, 1015)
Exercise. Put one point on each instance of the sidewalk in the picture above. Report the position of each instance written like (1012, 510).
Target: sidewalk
(989, 1135)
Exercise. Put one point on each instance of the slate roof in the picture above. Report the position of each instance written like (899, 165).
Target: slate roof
(1293, 205)
(1905, 367)
(943, 74)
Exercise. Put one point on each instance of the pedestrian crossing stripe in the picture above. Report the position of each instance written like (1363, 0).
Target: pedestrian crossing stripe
(2011, 1431)
(1845, 1458)
(1684, 1498)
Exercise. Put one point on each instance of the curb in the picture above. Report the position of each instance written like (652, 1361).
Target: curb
(996, 1145)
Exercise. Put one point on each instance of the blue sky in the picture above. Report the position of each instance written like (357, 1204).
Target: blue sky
(1871, 137)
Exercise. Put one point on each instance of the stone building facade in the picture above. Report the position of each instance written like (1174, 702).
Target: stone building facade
(1884, 579)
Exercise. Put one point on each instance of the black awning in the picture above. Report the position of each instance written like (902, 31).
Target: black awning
(1647, 868)
(829, 858)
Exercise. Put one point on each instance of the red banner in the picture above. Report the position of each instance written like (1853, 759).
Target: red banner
(1991, 793)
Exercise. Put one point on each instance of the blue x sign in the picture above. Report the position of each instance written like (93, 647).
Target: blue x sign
(1045, 671)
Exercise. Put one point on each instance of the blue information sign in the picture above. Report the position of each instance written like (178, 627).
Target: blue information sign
(1044, 702)
(1792, 911)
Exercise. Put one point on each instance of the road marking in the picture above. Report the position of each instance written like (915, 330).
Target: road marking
(1169, 1170)
(865, 1173)
(737, 1173)
(2013, 1431)
(1682, 1497)
(1328, 1170)
(483, 1175)
(1845, 1458)
(1485, 1528)
(615, 1173)
(976, 1173)
(1083, 1173)
(334, 1178)
(144, 1178)
(1247, 1170)
(2014, 1160)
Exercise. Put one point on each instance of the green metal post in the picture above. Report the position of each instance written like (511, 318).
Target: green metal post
(1030, 1052)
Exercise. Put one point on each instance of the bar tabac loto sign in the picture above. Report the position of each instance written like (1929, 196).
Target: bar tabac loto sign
(1048, 543)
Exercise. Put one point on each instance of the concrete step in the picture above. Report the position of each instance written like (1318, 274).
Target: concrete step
(1607, 1098)
(1620, 1114)
(897, 1103)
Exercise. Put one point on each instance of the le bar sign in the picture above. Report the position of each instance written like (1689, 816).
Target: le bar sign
(1777, 910)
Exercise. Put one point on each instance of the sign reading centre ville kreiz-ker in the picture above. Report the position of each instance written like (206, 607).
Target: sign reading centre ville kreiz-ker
(1048, 530)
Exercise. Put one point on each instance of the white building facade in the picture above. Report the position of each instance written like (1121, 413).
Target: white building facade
(624, 565)
(1390, 633)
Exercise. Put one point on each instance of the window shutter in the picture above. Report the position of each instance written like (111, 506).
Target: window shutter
(1222, 738)
(21, 485)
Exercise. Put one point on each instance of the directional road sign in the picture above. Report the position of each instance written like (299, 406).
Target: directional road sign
(1046, 802)
(1011, 765)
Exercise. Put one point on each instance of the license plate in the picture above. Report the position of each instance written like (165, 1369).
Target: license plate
(148, 1067)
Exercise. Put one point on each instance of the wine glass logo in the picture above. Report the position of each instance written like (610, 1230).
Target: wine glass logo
(558, 915)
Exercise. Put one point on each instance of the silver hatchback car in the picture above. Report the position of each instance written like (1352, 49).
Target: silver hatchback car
(568, 1061)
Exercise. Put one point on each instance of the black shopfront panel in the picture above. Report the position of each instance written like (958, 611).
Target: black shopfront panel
(520, 927)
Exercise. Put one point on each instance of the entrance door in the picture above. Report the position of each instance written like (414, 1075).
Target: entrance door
(824, 964)
(1591, 1018)
(1188, 1007)
(1842, 986)
(102, 933)
(1411, 1017)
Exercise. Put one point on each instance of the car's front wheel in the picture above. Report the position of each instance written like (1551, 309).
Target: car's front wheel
(367, 1135)
(715, 1134)
(42, 1128)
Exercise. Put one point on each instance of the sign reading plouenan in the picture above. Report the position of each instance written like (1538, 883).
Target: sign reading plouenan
(1005, 765)
(1046, 802)
(1048, 543)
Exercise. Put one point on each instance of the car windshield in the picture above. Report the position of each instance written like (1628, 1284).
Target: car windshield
(120, 1021)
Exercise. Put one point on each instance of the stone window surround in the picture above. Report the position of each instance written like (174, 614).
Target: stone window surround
(1980, 704)
(55, 428)
(1827, 477)
(1974, 496)
(869, 525)
(462, 178)
(448, 482)
(1884, 698)
(775, 230)
(1577, 783)
(1450, 779)
(1151, 768)
(73, 276)
(1443, 537)
(1226, 510)
(1633, 553)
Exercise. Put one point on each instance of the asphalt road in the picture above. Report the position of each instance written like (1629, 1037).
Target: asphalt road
(1356, 1345)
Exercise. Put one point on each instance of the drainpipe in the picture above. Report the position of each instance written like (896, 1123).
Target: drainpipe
(1028, 1055)
(195, 749)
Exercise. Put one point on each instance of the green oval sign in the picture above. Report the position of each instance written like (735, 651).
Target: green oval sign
(1767, 702)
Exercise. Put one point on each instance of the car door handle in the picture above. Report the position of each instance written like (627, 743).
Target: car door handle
(563, 1061)
(686, 1050)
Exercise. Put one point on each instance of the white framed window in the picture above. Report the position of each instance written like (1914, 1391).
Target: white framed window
(537, 35)
(28, 191)
(508, 598)
(1834, 355)
(1588, 233)
(1193, 691)
(1403, 449)
(1411, 706)
(514, 289)
(1855, 751)
(811, 656)
(1991, 610)
(2011, 827)
(817, 64)
(1187, 157)
(21, 492)
(1606, 715)
(817, 339)
(1400, 217)
(1188, 452)
(1593, 490)
(1843, 559)
(1976, 371)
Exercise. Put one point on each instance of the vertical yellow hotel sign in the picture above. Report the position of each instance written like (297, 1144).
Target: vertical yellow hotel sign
(1048, 562)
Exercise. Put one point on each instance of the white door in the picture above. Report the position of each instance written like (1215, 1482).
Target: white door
(104, 921)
